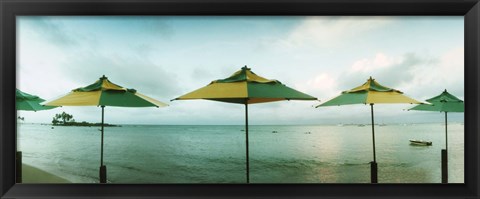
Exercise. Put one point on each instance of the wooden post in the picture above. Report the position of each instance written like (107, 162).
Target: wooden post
(103, 174)
(444, 166)
(18, 165)
(373, 172)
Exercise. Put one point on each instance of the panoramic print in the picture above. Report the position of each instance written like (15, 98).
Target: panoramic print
(240, 99)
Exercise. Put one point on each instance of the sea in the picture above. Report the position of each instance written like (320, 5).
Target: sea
(337, 153)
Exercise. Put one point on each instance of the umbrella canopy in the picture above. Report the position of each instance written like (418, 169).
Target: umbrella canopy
(28, 102)
(445, 102)
(245, 87)
(371, 92)
(104, 93)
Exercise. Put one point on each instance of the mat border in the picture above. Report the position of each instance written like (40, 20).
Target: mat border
(11, 8)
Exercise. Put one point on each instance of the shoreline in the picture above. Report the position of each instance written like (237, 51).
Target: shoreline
(31, 174)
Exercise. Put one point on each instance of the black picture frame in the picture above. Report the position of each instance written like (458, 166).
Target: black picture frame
(9, 9)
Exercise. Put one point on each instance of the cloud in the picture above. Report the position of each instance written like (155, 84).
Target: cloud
(53, 32)
(129, 71)
(447, 72)
(390, 71)
(158, 27)
(418, 75)
(366, 65)
(323, 83)
(144, 49)
(330, 31)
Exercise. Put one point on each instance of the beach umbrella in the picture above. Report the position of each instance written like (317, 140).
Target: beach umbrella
(104, 93)
(26, 102)
(445, 102)
(245, 87)
(29, 102)
(371, 92)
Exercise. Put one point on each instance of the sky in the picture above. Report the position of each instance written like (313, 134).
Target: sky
(165, 57)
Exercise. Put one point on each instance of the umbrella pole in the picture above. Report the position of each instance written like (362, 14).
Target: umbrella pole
(446, 138)
(103, 168)
(246, 142)
(373, 165)
(445, 155)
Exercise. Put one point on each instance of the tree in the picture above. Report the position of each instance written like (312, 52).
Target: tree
(64, 117)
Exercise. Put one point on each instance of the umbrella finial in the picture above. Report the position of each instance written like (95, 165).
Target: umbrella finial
(103, 77)
(245, 68)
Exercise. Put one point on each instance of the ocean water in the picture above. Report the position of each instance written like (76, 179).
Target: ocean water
(216, 154)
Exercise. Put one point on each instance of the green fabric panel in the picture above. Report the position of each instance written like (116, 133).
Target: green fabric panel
(445, 102)
(21, 95)
(92, 87)
(445, 97)
(453, 107)
(275, 90)
(31, 105)
(426, 107)
(346, 99)
(28, 102)
(242, 76)
(375, 86)
(441, 107)
(122, 99)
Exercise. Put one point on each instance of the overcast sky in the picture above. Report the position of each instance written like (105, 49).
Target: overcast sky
(165, 57)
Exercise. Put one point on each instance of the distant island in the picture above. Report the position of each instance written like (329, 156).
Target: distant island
(85, 124)
(65, 119)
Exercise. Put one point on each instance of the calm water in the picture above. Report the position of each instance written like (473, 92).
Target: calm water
(216, 154)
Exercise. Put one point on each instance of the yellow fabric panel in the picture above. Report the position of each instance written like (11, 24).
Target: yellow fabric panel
(367, 87)
(219, 90)
(151, 100)
(375, 97)
(360, 88)
(255, 78)
(77, 99)
(107, 85)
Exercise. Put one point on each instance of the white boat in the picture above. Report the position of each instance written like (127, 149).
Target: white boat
(420, 142)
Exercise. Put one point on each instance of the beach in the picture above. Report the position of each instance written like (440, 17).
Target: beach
(35, 175)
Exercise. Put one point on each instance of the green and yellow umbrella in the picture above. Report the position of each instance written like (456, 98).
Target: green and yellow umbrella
(104, 93)
(371, 92)
(445, 102)
(28, 102)
(245, 87)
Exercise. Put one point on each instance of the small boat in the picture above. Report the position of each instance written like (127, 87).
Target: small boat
(420, 142)
(274, 131)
